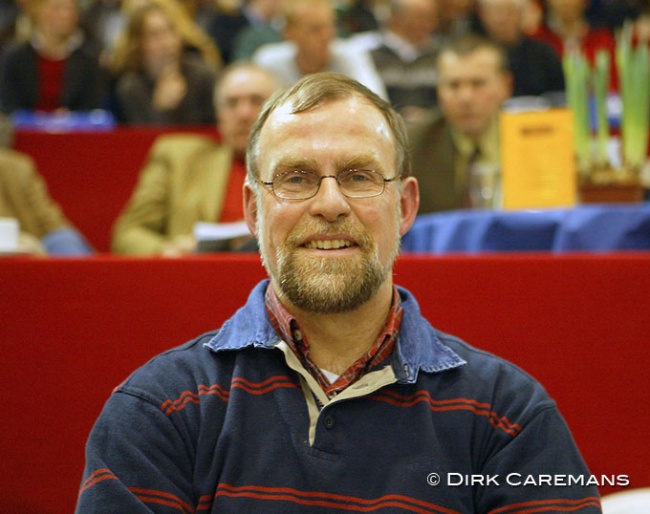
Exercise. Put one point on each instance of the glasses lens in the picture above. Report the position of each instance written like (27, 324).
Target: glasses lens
(361, 183)
(296, 184)
(300, 185)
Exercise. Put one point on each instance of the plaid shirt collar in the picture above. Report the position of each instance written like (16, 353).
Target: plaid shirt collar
(289, 330)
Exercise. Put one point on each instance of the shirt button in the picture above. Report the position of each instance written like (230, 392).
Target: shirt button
(328, 422)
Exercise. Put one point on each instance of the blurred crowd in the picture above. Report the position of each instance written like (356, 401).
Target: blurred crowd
(448, 66)
(156, 61)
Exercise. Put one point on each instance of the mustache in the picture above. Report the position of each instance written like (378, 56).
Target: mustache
(298, 236)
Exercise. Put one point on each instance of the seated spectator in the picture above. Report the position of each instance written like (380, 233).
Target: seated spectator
(238, 33)
(57, 69)
(407, 55)
(166, 68)
(311, 46)
(44, 229)
(567, 29)
(190, 178)
(535, 66)
(473, 83)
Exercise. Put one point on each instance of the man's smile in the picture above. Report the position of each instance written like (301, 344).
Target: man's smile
(329, 244)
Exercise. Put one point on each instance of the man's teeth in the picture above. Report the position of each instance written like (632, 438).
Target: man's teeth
(329, 244)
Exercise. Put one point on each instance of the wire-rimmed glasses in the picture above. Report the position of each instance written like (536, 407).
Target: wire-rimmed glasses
(302, 185)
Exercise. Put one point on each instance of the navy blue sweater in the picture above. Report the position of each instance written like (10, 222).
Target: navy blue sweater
(231, 423)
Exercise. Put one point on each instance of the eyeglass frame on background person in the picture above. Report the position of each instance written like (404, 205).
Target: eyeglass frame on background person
(344, 179)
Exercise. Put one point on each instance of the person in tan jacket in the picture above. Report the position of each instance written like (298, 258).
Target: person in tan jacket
(43, 227)
(189, 178)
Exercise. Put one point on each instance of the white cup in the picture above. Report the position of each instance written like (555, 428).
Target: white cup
(8, 235)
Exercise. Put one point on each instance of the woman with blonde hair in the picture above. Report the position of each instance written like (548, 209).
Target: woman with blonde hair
(165, 68)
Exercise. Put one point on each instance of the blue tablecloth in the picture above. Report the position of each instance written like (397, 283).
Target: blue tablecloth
(597, 228)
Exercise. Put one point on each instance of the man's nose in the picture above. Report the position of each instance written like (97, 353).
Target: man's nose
(246, 109)
(329, 202)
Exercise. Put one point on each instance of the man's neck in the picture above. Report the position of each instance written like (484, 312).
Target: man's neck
(338, 340)
(570, 28)
(307, 65)
(54, 46)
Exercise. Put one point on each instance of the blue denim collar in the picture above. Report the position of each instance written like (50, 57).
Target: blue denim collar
(418, 346)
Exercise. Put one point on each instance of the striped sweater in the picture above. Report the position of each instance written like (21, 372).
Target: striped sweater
(232, 423)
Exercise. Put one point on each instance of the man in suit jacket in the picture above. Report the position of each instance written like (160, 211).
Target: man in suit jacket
(473, 83)
(189, 178)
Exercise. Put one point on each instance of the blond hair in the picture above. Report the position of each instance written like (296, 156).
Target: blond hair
(128, 54)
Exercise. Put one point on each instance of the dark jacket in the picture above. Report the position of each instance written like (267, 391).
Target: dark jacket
(83, 79)
(536, 68)
(433, 158)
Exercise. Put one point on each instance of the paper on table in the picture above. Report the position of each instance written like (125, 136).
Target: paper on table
(204, 230)
(212, 237)
(9, 231)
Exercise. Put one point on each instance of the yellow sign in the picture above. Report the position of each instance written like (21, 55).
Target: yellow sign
(538, 167)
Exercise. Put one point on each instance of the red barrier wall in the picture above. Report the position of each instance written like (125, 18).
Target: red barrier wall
(92, 174)
(71, 330)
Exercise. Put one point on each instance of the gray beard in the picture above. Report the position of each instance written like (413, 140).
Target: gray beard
(327, 286)
(323, 285)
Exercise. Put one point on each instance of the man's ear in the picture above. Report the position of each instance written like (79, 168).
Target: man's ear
(409, 203)
(250, 208)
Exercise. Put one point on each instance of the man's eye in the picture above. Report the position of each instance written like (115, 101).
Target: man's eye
(358, 176)
(295, 179)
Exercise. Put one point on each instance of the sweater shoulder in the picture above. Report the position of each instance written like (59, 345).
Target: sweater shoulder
(489, 377)
(176, 370)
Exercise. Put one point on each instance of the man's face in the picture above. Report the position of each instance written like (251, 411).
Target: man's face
(329, 253)
(502, 19)
(239, 100)
(57, 18)
(311, 29)
(471, 89)
(417, 20)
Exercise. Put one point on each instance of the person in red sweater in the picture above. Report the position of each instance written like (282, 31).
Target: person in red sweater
(57, 69)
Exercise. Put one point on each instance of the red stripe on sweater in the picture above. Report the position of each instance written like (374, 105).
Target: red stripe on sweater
(478, 408)
(330, 500)
(162, 498)
(97, 476)
(170, 406)
(551, 505)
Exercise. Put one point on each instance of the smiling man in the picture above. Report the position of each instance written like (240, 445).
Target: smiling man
(328, 392)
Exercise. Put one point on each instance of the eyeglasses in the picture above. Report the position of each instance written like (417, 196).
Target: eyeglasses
(302, 185)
